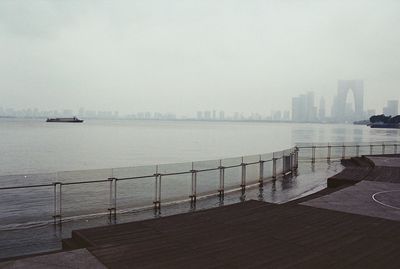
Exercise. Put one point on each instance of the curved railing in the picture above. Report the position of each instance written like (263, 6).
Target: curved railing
(70, 194)
(65, 195)
(336, 151)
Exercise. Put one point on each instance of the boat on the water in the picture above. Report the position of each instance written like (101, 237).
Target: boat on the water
(73, 120)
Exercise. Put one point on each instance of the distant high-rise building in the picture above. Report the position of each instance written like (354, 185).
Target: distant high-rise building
(147, 115)
(199, 115)
(207, 115)
(299, 108)
(303, 108)
(340, 110)
(392, 108)
(371, 112)
(277, 115)
(221, 115)
(286, 115)
(322, 109)
(214, 115)
(311, 109)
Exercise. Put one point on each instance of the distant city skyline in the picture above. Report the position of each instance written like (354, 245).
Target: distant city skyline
(186, 56)
(304, 109)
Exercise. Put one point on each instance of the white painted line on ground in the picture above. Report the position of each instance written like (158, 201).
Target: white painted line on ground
(382, 203)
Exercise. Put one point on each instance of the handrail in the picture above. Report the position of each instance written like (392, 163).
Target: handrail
(299, 146)
(280, 163)
(154, 175)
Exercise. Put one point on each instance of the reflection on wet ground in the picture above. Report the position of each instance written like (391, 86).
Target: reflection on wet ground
(310, 178)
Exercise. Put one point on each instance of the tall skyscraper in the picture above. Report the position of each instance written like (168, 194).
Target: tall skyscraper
(303, 108)
(322, 109)
(221, 115)
(392, 108)
(340, 110)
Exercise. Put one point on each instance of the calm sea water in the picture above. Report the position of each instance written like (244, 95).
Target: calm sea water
(34, 146)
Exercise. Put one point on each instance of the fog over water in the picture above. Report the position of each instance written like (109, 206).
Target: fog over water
(183, 56)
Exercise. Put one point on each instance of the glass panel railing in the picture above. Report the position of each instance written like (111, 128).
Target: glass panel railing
(85, 199)
(252, 173)
(208, 182)
(175, 187)
(131, 172)
(26, 205)
(85, 192)
(83, 175)
(135, 193)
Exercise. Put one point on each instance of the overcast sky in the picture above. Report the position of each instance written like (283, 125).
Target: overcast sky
(187, 55)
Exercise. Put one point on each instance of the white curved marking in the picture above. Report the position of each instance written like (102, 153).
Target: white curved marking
(379, 202)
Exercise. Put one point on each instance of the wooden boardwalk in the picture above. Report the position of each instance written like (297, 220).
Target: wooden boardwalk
(247, 235)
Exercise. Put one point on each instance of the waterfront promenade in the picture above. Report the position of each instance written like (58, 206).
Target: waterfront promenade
(317, 231)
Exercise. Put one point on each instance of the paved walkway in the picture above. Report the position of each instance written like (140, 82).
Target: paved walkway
(385, 161)
(370, 198)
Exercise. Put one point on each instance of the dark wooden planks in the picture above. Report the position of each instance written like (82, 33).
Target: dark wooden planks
(250, 235)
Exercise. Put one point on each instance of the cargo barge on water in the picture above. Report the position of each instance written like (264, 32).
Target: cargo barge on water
(68, 120)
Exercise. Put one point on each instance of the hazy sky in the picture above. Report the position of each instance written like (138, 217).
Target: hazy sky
(187, 55)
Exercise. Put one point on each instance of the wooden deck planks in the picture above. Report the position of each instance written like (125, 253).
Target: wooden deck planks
(249, 235)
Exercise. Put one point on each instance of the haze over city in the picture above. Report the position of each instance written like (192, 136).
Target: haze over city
(186, 56)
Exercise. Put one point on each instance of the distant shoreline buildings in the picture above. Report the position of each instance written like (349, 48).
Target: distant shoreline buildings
(303, 110)
(342, 111)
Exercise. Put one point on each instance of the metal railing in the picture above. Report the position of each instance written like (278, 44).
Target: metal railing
(131, 187)
(109, 191)
(337, 151)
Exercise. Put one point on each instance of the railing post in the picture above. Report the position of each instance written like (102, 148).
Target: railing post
(358, 150)
(243, 183)
(284, 164)
(292, 154)
(313, 154)
(194, 185)
(55, 202)
(296, 158)
(57, 214)
(383, 148)
(371, 149)
(343, 151)
(274, 167)
(261, 178)
(157, 191)
(221, 179)
(113, 197)
(329, 153)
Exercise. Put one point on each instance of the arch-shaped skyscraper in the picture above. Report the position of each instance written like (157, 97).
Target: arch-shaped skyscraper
(345, 87)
